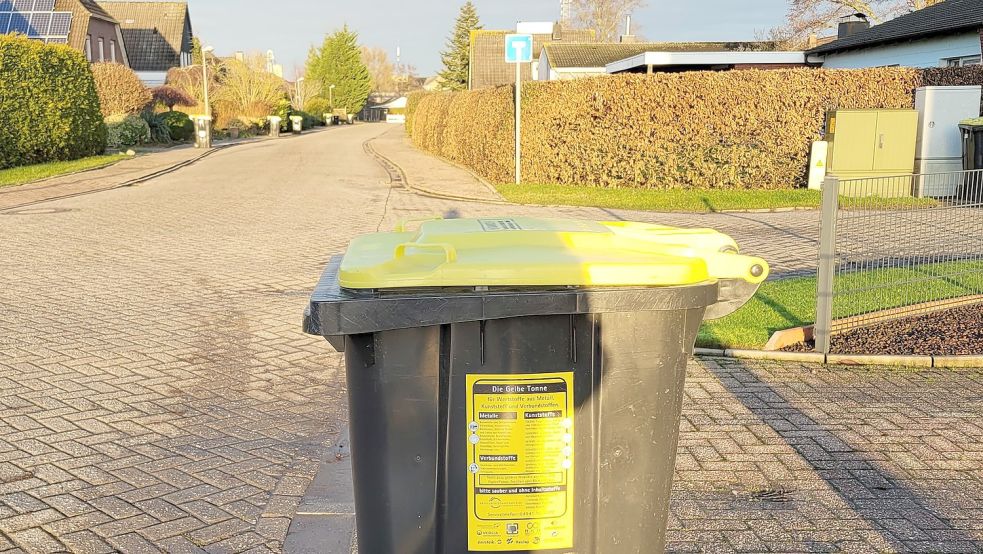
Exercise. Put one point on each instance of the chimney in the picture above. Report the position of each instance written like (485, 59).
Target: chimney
(852, 24)
(240, 56)
(813, 41)
(628, 38)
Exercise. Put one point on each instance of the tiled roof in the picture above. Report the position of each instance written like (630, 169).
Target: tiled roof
(155, 33)
(562, 54)
(81, 10)
(942, 18)
(488, 67)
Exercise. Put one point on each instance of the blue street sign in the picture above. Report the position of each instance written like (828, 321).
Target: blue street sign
(518, 48)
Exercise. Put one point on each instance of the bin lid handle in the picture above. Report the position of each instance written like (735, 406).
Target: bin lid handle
(403, 225)
(450, 253)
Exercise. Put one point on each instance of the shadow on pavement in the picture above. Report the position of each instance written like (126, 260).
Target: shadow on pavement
(873, 492)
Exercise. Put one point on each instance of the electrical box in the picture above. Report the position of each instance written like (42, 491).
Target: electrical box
(939, 147)
(872, 143)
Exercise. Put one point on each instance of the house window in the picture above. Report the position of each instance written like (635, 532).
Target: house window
(112, 50)
(102, 50)
(88, 48)
(961, 61)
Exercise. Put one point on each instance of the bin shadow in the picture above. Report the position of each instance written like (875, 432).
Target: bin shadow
(878, 496)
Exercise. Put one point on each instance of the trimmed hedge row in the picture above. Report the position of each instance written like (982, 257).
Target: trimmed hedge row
(736, 129)
(49, 109)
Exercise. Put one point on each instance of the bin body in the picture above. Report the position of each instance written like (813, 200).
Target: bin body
(515, 384)
(408, 398)
(972, 159)
(203, 131)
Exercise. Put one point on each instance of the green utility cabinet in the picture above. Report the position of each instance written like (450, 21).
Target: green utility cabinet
(867, 144)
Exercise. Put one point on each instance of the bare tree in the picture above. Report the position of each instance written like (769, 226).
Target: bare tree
(382, 71)
(604, 16)
(807, 17)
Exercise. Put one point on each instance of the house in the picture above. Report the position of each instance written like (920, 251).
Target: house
(81, 24)
(946, 34)
(571, 60)
(158, 36)
(487, 61)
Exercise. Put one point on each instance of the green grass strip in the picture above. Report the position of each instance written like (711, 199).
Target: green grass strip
(791, 302)
(681, 200)
(29, 173)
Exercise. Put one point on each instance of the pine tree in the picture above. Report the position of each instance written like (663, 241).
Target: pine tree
(339, 62)
(457, 57)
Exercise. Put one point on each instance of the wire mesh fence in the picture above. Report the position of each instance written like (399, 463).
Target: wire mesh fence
(893, 247)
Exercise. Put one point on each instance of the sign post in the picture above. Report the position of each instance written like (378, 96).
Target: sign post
(518, 50)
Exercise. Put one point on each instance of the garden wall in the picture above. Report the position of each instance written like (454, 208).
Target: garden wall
(49, 109)
(735, 129)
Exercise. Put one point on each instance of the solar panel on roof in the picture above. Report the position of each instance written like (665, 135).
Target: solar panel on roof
(61, 22)
(6, 5)
(44, 5)
(19, 23)
(23, 5)
(4, 22)
(40, 22)
(59, 40)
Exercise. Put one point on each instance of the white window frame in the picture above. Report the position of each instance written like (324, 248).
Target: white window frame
(88, 48)
(962, 61)
(102, 49)
(112, 50)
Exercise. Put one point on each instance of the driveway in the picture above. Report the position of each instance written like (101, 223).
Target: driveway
(157, 393)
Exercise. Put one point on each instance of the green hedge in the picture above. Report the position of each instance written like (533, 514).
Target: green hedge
(728, 130)
(49, 109)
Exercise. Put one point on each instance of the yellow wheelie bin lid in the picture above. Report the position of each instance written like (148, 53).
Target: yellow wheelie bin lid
(534, 252)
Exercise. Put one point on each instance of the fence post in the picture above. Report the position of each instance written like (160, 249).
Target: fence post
(827, 264)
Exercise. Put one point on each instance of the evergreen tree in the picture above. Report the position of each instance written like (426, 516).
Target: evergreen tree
(338, 62)
(457, 57)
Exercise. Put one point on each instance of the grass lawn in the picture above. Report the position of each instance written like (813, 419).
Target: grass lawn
(28, 173)
(792, 302)
(675, 200)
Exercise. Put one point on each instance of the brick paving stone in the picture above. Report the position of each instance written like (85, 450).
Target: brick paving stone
(158, 394)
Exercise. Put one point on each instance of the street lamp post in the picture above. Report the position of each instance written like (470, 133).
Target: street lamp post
(203, 125)
(331, 96)
(204, 76)
(300, 93)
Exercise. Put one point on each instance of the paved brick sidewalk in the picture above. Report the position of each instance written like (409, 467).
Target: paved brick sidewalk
(156, 392)
(95, 180)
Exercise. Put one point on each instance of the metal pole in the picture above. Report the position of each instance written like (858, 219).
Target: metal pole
(827, 265)
(518, 123)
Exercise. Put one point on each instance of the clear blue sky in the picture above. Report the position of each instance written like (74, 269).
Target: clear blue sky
(290, 27)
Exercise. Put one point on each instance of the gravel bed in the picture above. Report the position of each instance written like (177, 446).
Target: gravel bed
(954, 332)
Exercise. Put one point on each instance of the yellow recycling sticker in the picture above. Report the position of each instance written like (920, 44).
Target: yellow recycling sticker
(520, 461)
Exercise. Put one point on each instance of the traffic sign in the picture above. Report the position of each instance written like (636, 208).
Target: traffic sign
(518, 48)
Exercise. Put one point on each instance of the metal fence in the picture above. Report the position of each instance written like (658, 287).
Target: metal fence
(893, 247)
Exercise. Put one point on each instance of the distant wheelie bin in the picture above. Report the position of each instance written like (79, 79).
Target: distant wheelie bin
(515, 384)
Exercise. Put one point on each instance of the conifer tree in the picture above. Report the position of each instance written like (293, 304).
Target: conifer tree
(457, 57)
(338, 62)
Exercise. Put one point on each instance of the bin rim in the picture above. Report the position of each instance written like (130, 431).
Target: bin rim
(334, 311)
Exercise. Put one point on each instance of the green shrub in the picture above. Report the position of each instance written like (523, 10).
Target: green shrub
(179, 125)
(318, 107)
(412, 103)
(283, 110)
(120, 90)
(159, 133)
(49, 109)
(126, 130)
(734, 129)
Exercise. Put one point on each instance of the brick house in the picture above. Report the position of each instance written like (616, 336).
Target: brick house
(158, 36)
(81, 24)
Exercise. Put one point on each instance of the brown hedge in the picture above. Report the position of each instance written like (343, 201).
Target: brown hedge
(736, 129)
